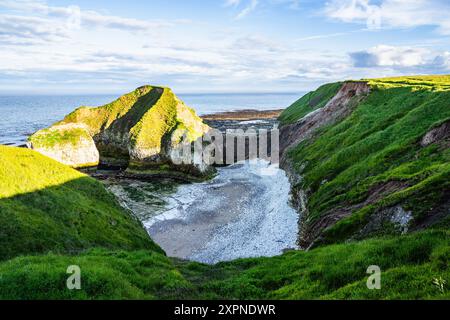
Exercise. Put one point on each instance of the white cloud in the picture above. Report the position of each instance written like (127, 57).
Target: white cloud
(25, 30)
(249, 8)
(85, 17)
(404, 58)
(442, 60)
(39, 47)
(392, 13)
(232, 3)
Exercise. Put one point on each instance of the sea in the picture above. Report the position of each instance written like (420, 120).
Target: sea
(22, 115)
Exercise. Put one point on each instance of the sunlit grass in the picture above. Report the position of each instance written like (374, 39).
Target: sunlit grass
(23, 171)
(377, 144)
(432, 82)
(45, 206)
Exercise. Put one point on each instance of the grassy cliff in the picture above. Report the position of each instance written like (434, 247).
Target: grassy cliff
(49, 223)
(309, 103)
(139, 127)
(46, 206)
(390, 156)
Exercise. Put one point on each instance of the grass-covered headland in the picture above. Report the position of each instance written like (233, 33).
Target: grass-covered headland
(388, 159)
(391, 149)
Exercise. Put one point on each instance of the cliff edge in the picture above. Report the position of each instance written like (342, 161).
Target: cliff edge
(138, 130)
(369, 158)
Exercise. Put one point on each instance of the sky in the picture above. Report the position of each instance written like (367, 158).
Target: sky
(216, 46)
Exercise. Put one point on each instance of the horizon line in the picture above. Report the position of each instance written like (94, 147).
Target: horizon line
(30, 94)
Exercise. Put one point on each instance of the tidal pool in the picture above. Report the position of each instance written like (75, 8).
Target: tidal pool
(243, 212)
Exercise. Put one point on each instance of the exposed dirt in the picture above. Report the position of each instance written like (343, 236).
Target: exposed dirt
(435, 214)
(337, 108)
(439, 134)
(310, 232)
(340, 106)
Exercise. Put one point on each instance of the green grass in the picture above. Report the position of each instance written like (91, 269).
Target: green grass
(46, 206)
(436, 83)
(104, 275)
(139, 122)
(52, 217)
(50, 138)
(379, 143)
(409, 264)
(309, 102)
(128, 109)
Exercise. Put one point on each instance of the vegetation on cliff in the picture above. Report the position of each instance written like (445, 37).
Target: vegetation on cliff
(141, 127)
(389, 158)
(359, 170)
(46, 206)
(310, 102)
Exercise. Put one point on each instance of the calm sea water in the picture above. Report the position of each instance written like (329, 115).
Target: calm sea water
(20, 116)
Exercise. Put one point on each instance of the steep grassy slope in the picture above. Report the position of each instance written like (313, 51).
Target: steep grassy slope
(309, 102)
(141, 126)
(377, 164)
(410, 265)
(390, 156)
(46, 206)
(104, 275)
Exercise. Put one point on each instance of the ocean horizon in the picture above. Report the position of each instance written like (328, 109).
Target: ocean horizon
(22, 115)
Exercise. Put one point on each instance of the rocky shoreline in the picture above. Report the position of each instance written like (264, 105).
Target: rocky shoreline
(243, 119)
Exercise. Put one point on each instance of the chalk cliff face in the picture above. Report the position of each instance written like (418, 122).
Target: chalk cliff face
(69, 144)
(369, 158)
(140, 129)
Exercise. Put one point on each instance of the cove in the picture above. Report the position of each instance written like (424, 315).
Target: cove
(243, 212)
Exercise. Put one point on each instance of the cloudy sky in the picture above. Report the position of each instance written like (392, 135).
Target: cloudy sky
(110, 46)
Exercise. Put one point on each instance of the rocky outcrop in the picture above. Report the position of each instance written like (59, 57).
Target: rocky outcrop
(69, 144)
(139, 130)
(437, 134)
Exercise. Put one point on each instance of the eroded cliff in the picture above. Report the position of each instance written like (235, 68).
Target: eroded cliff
(371, 160)
(138, 130)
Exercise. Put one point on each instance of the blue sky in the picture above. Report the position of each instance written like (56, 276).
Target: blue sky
(198, 46)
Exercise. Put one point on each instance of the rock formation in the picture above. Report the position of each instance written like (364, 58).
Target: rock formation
(138, 130)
